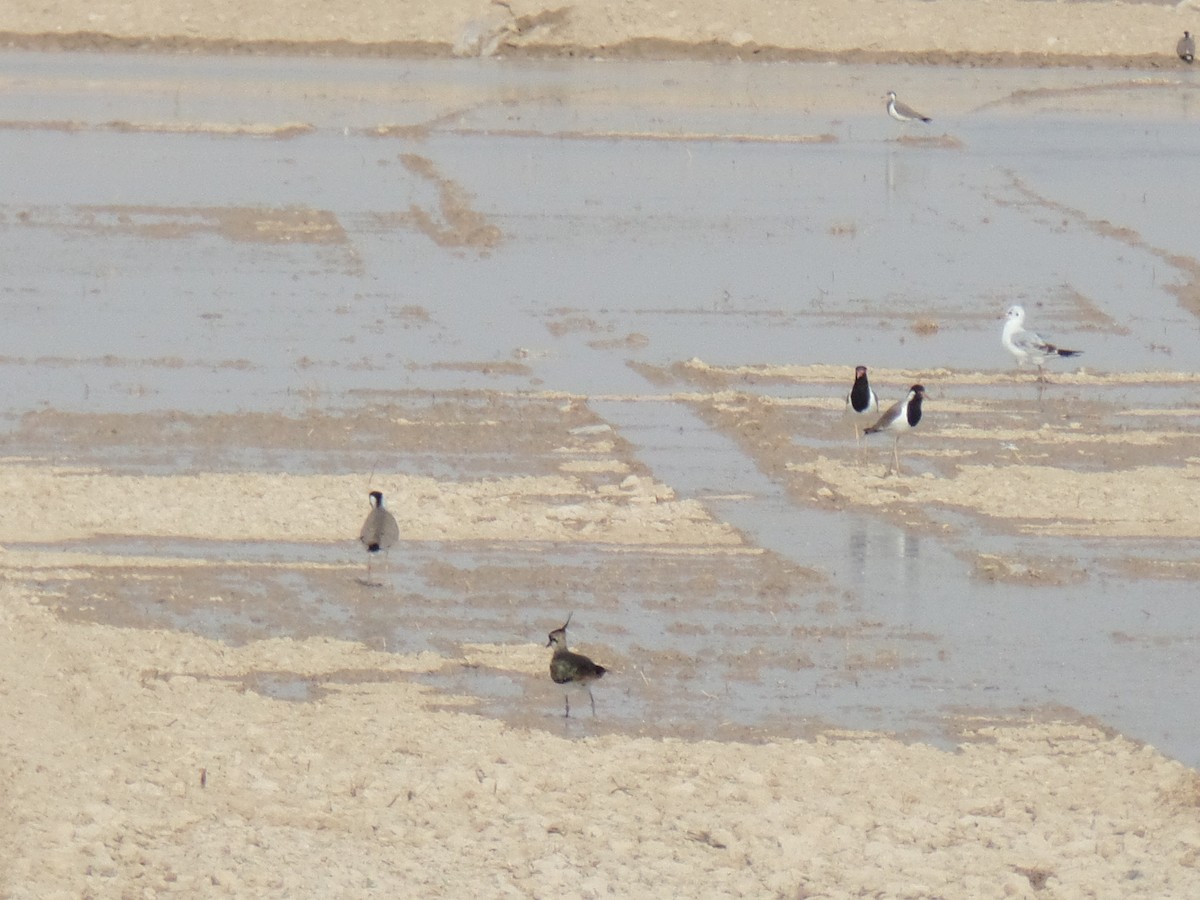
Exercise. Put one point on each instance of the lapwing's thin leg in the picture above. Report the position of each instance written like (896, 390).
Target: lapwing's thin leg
(593, 699)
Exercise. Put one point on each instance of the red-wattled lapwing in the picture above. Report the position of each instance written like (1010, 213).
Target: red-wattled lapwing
(901, 418)
(861, 401)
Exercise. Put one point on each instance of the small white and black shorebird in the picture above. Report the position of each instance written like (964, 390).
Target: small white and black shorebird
(379, 531)
(571, 669)
(900, 418)
(1028, 346)
(902, 112)
(861, 401)
(1186, 48)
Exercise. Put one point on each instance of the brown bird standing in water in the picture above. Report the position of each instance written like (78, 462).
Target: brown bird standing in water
(1186, 48)
(568, 668)
(379, 531)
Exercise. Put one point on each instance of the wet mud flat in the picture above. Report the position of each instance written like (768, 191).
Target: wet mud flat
(499, 316)
(279, 701)
(555, 515)
(929, 598)
(595, 354)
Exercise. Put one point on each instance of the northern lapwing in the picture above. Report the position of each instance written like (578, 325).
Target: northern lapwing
(571, 669)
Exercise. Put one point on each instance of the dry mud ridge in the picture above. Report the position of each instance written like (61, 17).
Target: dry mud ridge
(954, 32)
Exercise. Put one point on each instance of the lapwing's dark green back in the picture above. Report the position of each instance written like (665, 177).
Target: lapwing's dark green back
(566, 667)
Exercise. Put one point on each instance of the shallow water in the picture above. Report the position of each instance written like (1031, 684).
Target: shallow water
(572, 218)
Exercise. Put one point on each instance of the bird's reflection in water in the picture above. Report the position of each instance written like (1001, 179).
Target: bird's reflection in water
(886, 559)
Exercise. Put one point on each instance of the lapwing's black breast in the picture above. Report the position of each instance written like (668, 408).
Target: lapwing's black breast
(914, 411)
(860, 395)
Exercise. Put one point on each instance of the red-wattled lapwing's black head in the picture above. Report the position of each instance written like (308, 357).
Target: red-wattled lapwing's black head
(571, 669)
(379, 531)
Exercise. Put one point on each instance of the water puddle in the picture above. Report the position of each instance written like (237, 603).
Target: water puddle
(561, 229)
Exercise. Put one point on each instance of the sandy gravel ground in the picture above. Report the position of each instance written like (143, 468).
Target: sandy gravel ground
(143, 763)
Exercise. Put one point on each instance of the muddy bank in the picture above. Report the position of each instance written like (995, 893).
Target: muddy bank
(945, 32)
(308, 763)
(147, 761)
